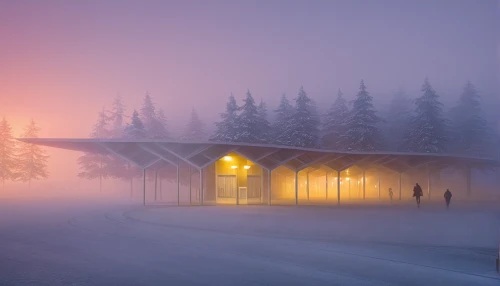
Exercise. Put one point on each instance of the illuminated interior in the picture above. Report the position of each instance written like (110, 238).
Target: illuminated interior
(209, 173)
(238, 181)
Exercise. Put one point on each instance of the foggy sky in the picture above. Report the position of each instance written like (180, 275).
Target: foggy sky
(62, 61)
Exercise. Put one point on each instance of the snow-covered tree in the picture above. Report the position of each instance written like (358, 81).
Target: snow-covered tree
(101, 129)
(427, 131)
(125, 170)
(264, 125)
(194, 128)
(148, 114)
(304, 122)
(227, 128)
(248, 122)
(362, 133)
(32, 159)
(397, 119)
(117, 117)
(161, 130)
(135, 129)
(8, 162)
(282, 128)
(335, 124)
(470, 132)
(154, 123)
(97, 165)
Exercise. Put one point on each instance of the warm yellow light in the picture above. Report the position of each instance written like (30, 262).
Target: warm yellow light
(246, 167)
(348, 179)
(228, 158)
(234, 167)
(375, 186)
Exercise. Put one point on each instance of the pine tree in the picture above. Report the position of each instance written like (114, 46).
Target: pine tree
(334, 124)
(117, 117)
(161, 129)
(428, 128)
(8, 164)
(32, 158)
(397, 120)
(304, 122)
(101, 128)
(264, 125)
(194, 129)
(148, 115)
(226, 129)
(362, 131)
(135, 129)
(282, 127)
(248, 122)
(96, 165)
(124, 170)
(470, 130)
(154, 124)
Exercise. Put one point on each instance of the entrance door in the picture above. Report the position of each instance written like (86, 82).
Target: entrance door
(226, 188)
(254, 188)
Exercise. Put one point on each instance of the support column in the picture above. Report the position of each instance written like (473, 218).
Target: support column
(156, 184)
(428, 182)
(190, 199)
(238, 189)
(178, 187)
(400, 186)
(469, 181)
(338, 187)
(364, 184)
(326, 185)
(144, 185)
(269, 187)
(307, 185)
(201, 187)
(261, 185)
(296, 188)
(378, 186)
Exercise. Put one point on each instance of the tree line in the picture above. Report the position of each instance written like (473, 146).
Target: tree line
(148, 123)
(408, 125)
(21, 161)
(418, 125)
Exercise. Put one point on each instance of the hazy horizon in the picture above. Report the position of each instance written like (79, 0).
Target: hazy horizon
(64, 61)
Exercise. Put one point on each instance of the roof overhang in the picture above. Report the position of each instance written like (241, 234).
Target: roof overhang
(199, 154)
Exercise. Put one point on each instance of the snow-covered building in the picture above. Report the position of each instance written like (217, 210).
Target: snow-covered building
(240, 173)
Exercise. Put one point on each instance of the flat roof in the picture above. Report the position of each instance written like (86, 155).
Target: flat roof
(144, 153)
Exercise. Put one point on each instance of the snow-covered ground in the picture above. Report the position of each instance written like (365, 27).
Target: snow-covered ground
(88, 243)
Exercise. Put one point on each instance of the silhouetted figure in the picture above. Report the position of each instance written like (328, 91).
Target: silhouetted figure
(447, 198)
(390, 193)
(417, 193)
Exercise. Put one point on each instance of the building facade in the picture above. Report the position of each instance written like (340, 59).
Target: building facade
(210, 173)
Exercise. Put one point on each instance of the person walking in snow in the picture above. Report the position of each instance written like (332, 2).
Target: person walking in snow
(417, 193)
(447, 198)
